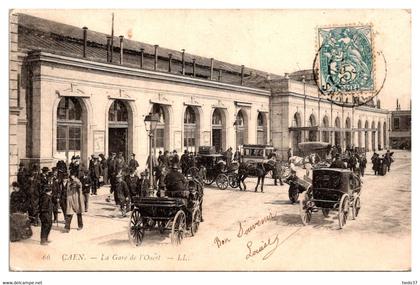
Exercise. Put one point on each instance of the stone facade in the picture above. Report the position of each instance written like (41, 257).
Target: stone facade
(298, 114)
(53, 67)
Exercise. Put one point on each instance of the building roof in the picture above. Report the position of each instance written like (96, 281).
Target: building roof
(62, 39)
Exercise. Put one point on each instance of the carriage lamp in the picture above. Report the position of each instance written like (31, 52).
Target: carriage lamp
(150, 123)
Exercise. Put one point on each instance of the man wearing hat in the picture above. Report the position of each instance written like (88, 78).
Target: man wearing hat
(104, 167)
(55, 196)
(34, 195)
(144, 184)
(22, 178)
(86, 184)
(75, 165)
(338, 163)
(133, 183)
(45, 214)
(133, 163)
(121, 194)
(95, 173)
(75, 202)
(174, 181)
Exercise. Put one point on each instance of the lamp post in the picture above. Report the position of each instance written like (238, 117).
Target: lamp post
(150, 123)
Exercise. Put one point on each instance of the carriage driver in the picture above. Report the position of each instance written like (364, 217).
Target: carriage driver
(175, 183)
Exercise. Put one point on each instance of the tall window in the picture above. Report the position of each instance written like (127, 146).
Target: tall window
(240, 129)
(312, 133)
(189, 128)
(160, 128)
(261, 133)
(396, 123)
(69, 125)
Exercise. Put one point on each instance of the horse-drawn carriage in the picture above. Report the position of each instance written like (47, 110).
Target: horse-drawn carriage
(332, 189)
(181, 213)
(212, 168)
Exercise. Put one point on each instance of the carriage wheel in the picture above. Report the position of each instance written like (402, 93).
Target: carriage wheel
(193, 172)
(222, 181)
(293, 195)
(343, 211)
(195, 221)
(356, 207)
(305, 210)
(234, 180)
(326, 212)
(208, 180)
(136, 228)
(179, 227)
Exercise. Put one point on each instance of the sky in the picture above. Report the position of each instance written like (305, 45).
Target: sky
(276, 41)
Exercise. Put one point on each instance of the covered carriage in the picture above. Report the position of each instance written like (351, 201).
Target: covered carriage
(212, 168)
(332, 189)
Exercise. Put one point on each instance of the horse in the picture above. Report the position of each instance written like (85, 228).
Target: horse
(259, 170)
(301, 161)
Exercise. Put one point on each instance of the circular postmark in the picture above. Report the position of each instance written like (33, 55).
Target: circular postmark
(344, 67)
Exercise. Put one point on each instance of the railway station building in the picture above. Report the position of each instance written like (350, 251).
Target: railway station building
(74, 91)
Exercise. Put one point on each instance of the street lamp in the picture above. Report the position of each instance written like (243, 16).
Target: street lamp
(150, 123)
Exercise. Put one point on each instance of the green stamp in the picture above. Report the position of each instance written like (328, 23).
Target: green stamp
(345, 60)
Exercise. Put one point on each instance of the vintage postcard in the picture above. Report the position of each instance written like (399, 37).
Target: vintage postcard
(210, 140)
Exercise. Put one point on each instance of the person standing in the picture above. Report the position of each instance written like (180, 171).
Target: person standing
(175, 158)
(122, 194)
(120, 162)
(112, 172)
(104, 167)
(237, 155)
(144, 185)
(74, 166)
(86, 185)
(133, 183)
(46, 212)
(229, 155)
(75, 202)
(289, 153)
(95, 173)
(184, 162)
(362, 165)
(133, 163)
(63, 194)
(55, 195)
(388, 160)
(18, 200)
(34, 195)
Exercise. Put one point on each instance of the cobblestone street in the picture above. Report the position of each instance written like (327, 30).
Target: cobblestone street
(262, 229)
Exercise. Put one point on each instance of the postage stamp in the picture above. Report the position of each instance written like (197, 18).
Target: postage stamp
(345, 62)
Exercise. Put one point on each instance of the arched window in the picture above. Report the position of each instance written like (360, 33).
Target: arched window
(217, 118)
(218, 130)
(190, 128)
(189, 117)
(240, 128)
(69, 126)
(261, 129)
(296, 120)
(118, 112)
(160, 128)
(312, 132)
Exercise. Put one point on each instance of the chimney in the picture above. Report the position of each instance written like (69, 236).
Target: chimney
(220, 75)
(193, 67)
(211, 68)
(397, 105)
(242, 74)
(108, 49)
(141, 57)
(156, 57)
(183, 61)
(121, 49)
(84, 40)
(170, 62)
